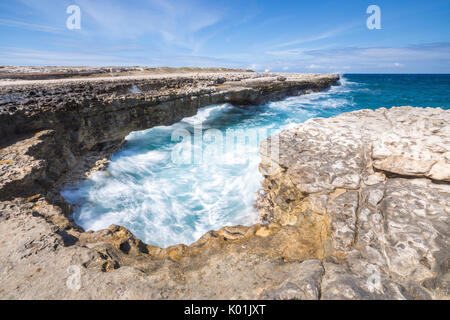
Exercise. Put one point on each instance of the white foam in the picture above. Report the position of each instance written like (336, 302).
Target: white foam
(205, 113)
(165, 203)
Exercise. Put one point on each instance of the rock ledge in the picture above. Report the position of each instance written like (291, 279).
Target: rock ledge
(376, 183)
(354, 207)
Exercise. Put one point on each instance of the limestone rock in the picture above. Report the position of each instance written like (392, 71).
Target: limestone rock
(305, 284)
(382, 180)
(352, 207)
(56, 131)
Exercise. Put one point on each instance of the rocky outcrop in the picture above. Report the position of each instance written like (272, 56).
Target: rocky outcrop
(57, 130)
(377, 183)
(91, 112)
(61, 72)
(89, 118)
(336, 223)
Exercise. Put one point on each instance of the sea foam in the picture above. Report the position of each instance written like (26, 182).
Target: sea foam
(164, 202)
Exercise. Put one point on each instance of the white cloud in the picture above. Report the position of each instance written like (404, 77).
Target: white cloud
(421, 58)
(21, 56)
(30, 26)
(314, 66)
(290, 52)
(325, 35)
(176, 23)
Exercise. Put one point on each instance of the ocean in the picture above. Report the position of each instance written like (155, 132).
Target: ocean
(171, 184)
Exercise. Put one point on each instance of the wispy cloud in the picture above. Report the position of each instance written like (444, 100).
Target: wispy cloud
(176, 23)
(222, 33)
(168, 23)
(375, 55)
(322, 36)
(295, 52)
(429, 57)
(286, 53)
(30, 26)
(325, 35)
(314, 66)
(24, 56)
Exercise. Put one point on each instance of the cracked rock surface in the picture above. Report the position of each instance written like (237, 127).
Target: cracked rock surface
(58, 130)
(354, 207)
(378, 182)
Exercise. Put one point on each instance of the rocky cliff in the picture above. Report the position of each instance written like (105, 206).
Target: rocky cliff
(77, 122)
(354, 207)
(376, 186)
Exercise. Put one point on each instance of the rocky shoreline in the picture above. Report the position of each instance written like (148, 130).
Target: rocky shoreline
(376, 185)
(356, 207)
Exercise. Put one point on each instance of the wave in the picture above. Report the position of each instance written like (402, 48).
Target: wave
(207, 113)
(166, 202)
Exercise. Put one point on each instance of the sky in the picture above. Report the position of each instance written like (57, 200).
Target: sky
(280, 36)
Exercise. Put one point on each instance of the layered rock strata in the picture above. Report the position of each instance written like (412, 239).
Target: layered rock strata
(79, 122)
(53, 131)
(340, 220)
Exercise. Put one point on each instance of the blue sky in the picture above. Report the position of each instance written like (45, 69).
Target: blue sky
(291, 36)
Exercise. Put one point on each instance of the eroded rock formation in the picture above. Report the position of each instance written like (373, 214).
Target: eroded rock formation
(341, 221)
(53, 131)
(377, 183)
(82, 121)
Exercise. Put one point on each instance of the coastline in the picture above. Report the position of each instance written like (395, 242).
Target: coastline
(40, 151)
(332, 208)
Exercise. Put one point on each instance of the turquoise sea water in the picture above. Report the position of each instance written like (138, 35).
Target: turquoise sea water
(170, 185)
